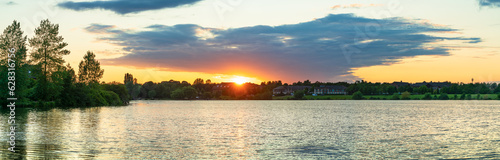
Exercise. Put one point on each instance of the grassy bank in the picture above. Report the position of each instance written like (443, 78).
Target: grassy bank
(384, 97)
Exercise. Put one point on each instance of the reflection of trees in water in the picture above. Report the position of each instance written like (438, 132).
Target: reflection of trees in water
(21, 118)
(89, 119)
(44, 133)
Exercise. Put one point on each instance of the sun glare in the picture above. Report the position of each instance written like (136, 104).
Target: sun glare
(240, 80)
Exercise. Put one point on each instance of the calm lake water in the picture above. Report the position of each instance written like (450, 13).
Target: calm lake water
(260, 130)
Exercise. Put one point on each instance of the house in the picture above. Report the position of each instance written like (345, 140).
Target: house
(433, 85)
(400, 84)
(288, 89)
(223, 86)
(336, 89)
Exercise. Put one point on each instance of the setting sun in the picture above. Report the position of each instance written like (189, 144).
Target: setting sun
(240, 80)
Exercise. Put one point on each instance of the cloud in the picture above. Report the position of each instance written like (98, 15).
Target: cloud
(325, 49)
(126, 6)
(491, 3)
(11, 3)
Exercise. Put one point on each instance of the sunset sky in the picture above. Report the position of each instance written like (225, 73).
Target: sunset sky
(288, 40)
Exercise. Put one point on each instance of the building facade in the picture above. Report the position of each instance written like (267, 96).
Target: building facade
(330, 90)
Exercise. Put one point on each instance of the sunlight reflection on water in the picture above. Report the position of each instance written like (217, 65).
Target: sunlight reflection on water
(261, 130)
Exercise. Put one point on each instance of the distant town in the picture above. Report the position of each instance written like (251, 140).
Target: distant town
(307, 90)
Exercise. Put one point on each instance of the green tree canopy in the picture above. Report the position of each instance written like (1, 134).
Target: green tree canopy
(48, 48)
(198, 81)
(12, 38)
(90, 69)
(128, 78)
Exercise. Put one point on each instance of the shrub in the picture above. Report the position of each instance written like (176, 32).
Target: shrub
(443, 96)
(298, 94)
(427, 96)
(97, 99)
(405, 95)
(357, 95)
(468, 97)
(395, 96)
(111, 98)
(120, 90)
(462, 97)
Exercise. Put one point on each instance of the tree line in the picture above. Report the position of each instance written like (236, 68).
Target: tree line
(369, 88)
(199, 89)
(44, 80)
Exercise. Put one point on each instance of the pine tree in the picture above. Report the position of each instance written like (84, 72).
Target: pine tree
(48, 48)
(12, 38)
(90, 69)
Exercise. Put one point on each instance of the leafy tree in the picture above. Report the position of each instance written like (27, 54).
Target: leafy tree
(422, 89)
(189, 92)
(391, 90)
(90, 69)
(357, 95)
(48, 48)
(128, 78)
(497, 90)
(68, 77)
(405, 95)
(177, 94)
(208, 81)
(198, 81)
(427, 96)
(183, 93)
(133, 89)
(307, 83)
(299, 94)
(152, 94)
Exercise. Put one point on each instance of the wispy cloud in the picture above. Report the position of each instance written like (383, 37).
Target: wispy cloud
(11, 3)
(126, 6)
(491, 3)
(328, 48)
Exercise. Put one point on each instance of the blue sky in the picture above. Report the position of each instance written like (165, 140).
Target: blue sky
(322, 40)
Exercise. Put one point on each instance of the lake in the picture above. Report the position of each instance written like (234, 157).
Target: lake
(260, 130)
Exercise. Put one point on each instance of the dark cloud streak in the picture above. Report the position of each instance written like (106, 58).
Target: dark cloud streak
(491, 3)
(126, 6)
